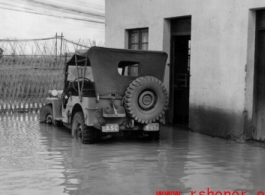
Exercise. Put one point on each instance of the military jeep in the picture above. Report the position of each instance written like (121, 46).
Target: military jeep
(108, 91)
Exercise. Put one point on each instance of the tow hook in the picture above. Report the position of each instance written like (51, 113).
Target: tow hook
(130, 124)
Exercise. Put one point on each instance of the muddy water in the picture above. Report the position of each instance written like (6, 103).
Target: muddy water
(40, 159)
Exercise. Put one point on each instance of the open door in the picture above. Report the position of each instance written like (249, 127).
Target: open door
(260, 77)
(180, 71)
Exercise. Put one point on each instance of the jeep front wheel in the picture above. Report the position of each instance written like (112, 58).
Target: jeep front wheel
(46, 114)
(87, 135)
(146, 99)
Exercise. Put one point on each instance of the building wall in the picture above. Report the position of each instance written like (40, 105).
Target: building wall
(222, 54)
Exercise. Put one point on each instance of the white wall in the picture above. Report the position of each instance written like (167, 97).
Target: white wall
(222, 48)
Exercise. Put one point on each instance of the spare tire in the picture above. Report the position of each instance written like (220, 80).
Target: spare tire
(146, 99)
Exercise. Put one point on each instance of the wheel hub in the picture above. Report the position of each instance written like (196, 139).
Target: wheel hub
(78, 131)
(147, 100)
(49, 119)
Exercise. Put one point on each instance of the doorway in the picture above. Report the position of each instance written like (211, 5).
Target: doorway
(180, 71)
(260, 75)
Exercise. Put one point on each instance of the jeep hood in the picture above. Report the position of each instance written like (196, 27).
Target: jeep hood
(104, 63)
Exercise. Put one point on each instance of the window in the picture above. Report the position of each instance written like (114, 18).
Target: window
(138, 39)
(129, 68)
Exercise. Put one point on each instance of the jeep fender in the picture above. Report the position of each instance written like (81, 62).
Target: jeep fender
(89, 114)
(56, 107)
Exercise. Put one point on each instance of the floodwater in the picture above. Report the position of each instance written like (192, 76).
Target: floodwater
(37, 159)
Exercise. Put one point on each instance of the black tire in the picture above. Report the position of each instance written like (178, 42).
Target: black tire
(154, 135)
(146, 99)
(46, 114)
(87, 135)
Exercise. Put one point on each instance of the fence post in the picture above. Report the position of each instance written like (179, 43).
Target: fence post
(56, 47)
(61, 46)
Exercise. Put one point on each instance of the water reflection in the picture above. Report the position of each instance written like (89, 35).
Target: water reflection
(40, 159)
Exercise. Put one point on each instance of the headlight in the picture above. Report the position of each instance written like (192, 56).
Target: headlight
(54, 93)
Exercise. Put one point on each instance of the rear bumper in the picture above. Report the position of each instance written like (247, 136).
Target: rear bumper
(114, 128)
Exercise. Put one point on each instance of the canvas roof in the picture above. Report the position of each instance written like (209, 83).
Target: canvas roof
(105, 61)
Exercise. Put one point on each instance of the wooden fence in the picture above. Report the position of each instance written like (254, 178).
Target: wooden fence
(25, 81)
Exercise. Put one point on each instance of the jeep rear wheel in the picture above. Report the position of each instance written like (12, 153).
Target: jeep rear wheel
(146, 99)
(154, 135)
(87, 135)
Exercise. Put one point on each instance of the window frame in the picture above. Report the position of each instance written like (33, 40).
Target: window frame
(140, 42)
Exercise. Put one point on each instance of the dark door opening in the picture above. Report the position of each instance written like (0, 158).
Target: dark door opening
(260, 75)
(180, 71)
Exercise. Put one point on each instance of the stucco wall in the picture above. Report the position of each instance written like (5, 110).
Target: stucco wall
(222, 49)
